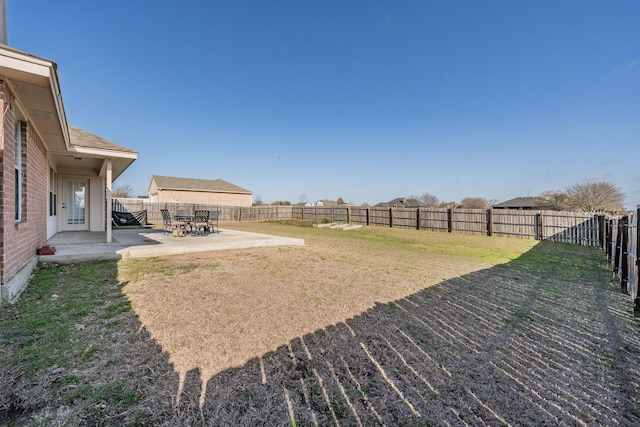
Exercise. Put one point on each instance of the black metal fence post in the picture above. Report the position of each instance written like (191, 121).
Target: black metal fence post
(624, 251)
(636, 306)
(609, 239)
(618, 249)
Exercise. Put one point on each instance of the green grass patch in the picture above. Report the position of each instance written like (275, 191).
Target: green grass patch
(291, 222)
(113, 392)
(565, 260)
(43, 325)
(117, 308)
(53, 336)
(491, 250)
(522, 315)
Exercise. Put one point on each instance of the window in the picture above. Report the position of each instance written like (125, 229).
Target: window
(53, 195)
(18, 171)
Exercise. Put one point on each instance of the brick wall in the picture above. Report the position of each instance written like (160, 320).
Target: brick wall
(5, 210)
(20, 240)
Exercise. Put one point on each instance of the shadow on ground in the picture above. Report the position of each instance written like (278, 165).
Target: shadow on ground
(546, 339)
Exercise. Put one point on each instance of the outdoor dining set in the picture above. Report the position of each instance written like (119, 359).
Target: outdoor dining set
(184, 222)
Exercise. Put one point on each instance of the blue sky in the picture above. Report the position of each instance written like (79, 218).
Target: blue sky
(364, 100)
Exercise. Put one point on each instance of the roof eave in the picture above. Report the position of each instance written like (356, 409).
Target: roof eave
(119, 165)
(21, 69)
(204, 191)
(99, 152)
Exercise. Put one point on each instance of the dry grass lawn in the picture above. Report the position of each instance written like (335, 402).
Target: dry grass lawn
(218, 310)
(368, 327)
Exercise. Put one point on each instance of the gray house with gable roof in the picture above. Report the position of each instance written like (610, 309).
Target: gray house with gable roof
(168, 189)
(523, 203)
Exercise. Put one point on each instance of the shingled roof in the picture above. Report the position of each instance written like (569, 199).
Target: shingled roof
(191, 184)
(522, 203)
(82, 138)
(402, 202)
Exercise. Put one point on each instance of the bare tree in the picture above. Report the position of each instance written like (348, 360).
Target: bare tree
(601, 196)
(302, 198)
(258, 201)
(473, 203)
(429, 199)
(124, 191)
(554, 200)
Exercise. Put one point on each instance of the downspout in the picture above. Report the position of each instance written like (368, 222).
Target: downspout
(108, 191)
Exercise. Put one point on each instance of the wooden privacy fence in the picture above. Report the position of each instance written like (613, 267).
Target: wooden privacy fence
(622, 248)
(227, 213)
(567, 227)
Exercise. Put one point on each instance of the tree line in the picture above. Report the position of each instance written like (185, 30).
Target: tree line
(600, 196)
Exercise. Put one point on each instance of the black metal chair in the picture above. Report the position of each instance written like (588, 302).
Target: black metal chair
(212, 222)
(201, 221)
(167, 223)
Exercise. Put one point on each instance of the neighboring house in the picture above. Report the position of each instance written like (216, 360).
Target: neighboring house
(522, 203)
(402, 202)
(326, 203)
(167, 189)
(53, 177)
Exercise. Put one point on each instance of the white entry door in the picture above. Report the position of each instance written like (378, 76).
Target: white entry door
(75, 204)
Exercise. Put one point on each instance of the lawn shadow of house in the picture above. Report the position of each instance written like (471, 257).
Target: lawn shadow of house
(75, 353)
(539, 340)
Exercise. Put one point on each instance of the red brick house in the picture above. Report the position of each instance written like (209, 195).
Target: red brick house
(53, 177)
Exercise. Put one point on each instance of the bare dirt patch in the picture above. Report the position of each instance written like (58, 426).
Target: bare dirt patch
(365, 327)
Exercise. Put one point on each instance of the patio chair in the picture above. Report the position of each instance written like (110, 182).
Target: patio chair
(201, 221)
(212, 222)
(167, 223)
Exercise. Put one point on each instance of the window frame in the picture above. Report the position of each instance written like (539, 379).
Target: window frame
(18, 197)
(53, 192)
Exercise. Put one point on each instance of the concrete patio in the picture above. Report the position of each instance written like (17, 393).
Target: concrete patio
(139, 243)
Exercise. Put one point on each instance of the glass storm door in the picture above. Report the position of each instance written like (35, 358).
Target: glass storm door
(74, 205)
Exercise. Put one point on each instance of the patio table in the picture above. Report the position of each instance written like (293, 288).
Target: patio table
(191, 221)
(186, 220)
